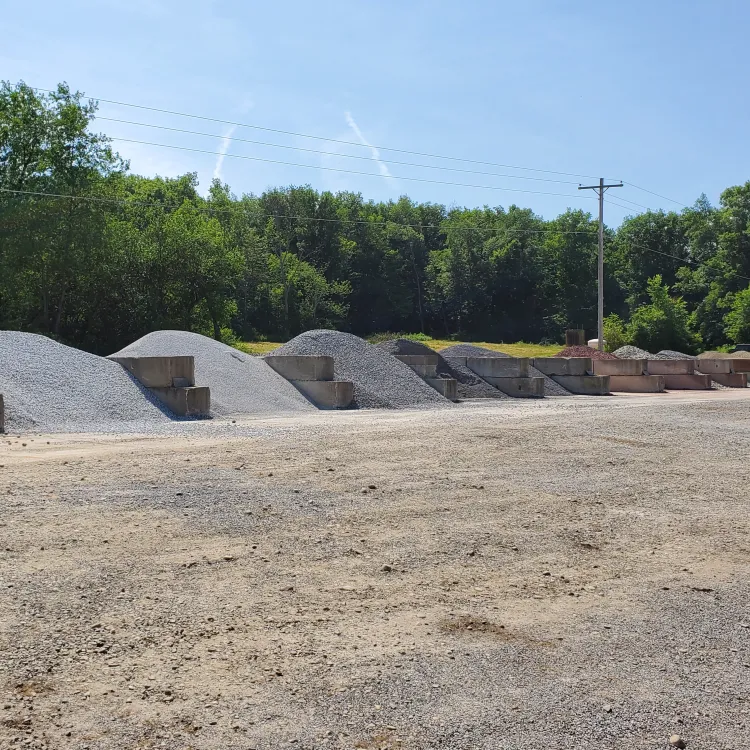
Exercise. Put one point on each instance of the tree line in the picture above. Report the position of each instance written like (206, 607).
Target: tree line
(96, 256)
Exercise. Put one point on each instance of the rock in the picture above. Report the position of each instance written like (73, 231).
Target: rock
(607, 708)
(676, 741)
(386, 569)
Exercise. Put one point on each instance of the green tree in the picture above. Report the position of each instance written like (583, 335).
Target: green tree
(737, 320)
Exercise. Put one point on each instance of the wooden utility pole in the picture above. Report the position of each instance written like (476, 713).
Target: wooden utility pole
(600, 189)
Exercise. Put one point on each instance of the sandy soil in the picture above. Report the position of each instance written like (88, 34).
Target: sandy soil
(569, 573)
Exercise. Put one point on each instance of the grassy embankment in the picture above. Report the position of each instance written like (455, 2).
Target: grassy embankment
(519, 349)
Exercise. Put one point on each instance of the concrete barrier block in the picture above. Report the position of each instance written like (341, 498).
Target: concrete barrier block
(447, 387)
(160, 372)
(584, 385)
(741, 365)
(563, 365)
(711, 366)
(301, 366)
(327, 394)
(670, 367)
(194, 401)
(687, 382)
(499, 367)
(636, 383)
(425, 365)
(731, 379)
(619, 366)
(518, 387)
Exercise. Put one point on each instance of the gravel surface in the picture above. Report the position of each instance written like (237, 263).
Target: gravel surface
(584, 351)
(567, 574)
(670, 354)
(380, 380)
(551, 388)
(240, 384)
(55, 388)
(470, 385)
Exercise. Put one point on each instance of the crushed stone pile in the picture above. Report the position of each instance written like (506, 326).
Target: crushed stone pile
(50, 387)
(584, 351)
(670, 354)
(633, 352)
(551, 388)
(740, 355)
(724, 355)
(380, 380)
(240, 385)
(469, 384)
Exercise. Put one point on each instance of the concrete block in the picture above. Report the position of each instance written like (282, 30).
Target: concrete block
(636, 383)
(711, 366)
(301, 366)
(563, 365)
(741, 365)
(687, 382)
(159, 372)
(584, 385)
(327, 394)
(194, 401)
(670, 367)
(731, 379)
(2, 414)
(619, 367)
(447, 387)
(499, 367)
(519, 387)
(425, 365)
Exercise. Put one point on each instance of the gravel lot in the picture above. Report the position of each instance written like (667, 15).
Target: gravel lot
(566, 573)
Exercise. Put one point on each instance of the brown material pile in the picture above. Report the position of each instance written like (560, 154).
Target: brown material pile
(584, 351)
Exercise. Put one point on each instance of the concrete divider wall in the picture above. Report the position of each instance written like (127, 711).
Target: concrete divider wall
(670, 367)
(731, 379)
(619, 366)
(553, 366)
(741, 365)
(636, 383)
(584, 385)
(302, 366)
(326, 394)
(193, 401)
(160, 372)
(499, 367)
(687, 382)
(518, 387)
(711, 366)
(447, 387)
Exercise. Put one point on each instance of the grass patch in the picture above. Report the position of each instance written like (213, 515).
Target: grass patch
(256, 348)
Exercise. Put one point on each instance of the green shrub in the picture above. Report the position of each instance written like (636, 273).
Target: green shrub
(615, 332)
(737, 320)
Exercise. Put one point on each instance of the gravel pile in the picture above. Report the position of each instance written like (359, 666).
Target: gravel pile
(380, 380)
(240, 385)
(54, 388)
(670, 354)
(551, 388)
(470, 385)
(633, 352)
(584, 351)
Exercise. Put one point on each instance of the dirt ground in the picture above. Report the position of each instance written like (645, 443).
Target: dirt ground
(569, 573)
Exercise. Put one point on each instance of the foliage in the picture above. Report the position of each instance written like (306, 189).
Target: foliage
(615, 332)
(738, 318)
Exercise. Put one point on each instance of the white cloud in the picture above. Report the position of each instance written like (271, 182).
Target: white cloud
(226, 142)
(375, 153)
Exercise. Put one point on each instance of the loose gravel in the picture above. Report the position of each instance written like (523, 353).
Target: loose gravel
(240, 385)
(380, 380)
(670, 354)
(469, 384)
(55, 388)
(551, 388)
(584, 351)
(633, 352)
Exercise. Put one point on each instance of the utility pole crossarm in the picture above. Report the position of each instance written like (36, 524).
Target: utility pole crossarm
(600, 189)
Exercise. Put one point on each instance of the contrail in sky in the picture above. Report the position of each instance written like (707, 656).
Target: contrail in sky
(226, 142)
(375, 153)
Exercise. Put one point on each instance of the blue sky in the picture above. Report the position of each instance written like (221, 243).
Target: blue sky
(654, 93)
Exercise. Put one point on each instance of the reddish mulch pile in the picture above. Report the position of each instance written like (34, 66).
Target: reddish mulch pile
(585, 351)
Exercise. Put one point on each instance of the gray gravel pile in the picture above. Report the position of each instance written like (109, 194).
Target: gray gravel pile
(240, 384)
(380, 380)
(633, 352)
(469, 384)
(670, 354)
(551, 388)
(54, 388)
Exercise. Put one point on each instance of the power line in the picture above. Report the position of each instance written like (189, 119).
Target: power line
(323, 138)
(658, 195)
(347, 171)
(328, 153)
(337, 220)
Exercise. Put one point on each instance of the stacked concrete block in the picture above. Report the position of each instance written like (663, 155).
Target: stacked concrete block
(426, 365)
(508, 374)
(312, 375)
(679, 374)
(628, 376)
(172, 381)
(729, 372)
(574, 374)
